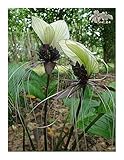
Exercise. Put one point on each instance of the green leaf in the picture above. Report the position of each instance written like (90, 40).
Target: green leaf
(37, 84)
(103, 127)
(35, 90)
(107, 104)
(92, 108)
(112, 84)
(16, 75)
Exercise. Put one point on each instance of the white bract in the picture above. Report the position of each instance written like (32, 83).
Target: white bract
(50, 33)
(78, 52)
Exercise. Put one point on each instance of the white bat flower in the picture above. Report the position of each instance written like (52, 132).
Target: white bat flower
(78, 52)
(50, 33)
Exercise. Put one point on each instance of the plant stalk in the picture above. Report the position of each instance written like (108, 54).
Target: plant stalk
(77, 113)
(45, 113)
(60, 138)
(26, 129)
(86, 129)
(23, 139)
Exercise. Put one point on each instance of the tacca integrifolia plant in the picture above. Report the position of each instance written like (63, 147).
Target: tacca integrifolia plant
(55, 39)
(50, 35)
(85, 64)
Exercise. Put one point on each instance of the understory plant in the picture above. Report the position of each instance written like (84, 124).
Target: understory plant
(88, 105)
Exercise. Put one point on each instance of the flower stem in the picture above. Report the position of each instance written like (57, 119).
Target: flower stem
(45, 113)
(72, 128)
(86, 129)
(26, 129)
(23, 139)
(60, 138)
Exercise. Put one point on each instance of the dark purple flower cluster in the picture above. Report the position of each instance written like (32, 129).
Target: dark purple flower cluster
(81, 73)
(48, 53)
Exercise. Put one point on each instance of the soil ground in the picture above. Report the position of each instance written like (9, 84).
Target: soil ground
(59, 112)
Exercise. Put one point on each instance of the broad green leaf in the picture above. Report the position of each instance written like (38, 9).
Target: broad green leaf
(91, 108)
(37, 84)
(107, 104)
(104, 127)
(112, 84)
(35, 90)
(85, 120)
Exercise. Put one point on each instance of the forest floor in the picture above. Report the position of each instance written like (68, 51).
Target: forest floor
(59, 112)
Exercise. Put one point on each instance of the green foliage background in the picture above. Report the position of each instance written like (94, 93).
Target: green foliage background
(23, 42)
